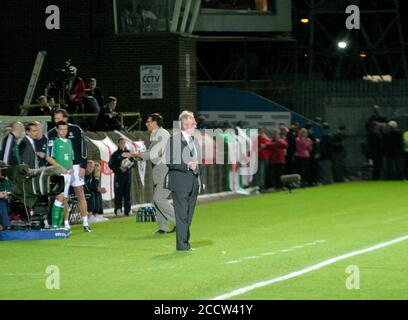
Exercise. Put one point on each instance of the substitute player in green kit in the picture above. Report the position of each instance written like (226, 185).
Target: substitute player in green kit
(61, 154)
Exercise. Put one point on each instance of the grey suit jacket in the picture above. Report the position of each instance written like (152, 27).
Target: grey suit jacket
(27, 153)
(156, 154)
(178, 154)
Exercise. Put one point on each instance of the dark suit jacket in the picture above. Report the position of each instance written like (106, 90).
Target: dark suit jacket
(179, 177)
(27, 153)
(106, 121)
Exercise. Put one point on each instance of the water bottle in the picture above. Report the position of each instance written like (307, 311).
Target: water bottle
(153, 214)
(145, 214)
(139, 215)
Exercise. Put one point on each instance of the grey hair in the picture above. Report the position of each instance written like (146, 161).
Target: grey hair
(184, 116)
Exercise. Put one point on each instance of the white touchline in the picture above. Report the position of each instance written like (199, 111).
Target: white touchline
(308, 269)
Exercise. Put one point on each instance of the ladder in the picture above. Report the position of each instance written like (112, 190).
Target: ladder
(33, 81)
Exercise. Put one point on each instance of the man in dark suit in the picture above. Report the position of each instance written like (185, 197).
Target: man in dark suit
(28, 153)
(10, 154)
(184, 180)
(107, 117)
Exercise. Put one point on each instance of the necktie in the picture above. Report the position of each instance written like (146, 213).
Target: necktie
(193, 149)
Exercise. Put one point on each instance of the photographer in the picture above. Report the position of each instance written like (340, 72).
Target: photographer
(121, 163)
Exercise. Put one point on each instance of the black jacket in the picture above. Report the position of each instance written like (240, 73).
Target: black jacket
(116, 161)
(107, 121)
(393, 143)
(9, 151)
(178, 154)
(77, 137)
(27, 154)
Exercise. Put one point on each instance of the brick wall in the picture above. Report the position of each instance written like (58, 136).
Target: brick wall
(87, 37)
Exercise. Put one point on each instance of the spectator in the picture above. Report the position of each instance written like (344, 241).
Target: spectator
(339, 155)
(97, 92)
(290, 151)
(314, 154)
(127, 23)
(90, 187)
(75, 90)
(146, 18)
(5, 187)
(43, 110)
(99, 191)
(277, 148)
(393, 148)
(375, 149)
(90, 103)
(9, 152)
(304, 146)
(375, 117)
(107, 117)
(202, 122)
(263, 158)
(51, 104)
(326, 156)
(405, 138)
(121, 164)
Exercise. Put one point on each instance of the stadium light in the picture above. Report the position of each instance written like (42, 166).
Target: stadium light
(304, 20)
(342, 44)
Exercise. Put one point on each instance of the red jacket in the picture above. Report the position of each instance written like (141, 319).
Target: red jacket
(263, 153)
(277, 151)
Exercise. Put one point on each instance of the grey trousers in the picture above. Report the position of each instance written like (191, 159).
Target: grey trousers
(184, 205)
(164, 210)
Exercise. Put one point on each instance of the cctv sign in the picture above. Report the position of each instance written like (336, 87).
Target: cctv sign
(151, 82)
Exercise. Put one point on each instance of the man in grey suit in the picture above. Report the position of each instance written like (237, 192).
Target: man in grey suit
(184, 179)
(27, 150)
(158, 142)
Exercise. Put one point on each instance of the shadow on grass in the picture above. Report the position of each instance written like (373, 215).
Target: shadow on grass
(182, 254)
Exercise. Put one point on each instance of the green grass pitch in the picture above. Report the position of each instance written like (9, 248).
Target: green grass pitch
(238, 243)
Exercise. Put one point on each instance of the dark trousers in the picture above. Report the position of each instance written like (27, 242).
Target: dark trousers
(4, 218)
(90, 202)
(339, 167)
(122, 191)
(262, 172)
(304, 169)
(278, 169)
(184, 204)
(406, 165)
(377, 167)
(393, 168)
(98, 203)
